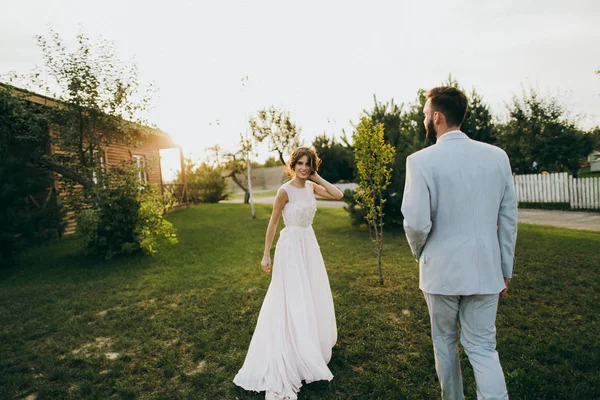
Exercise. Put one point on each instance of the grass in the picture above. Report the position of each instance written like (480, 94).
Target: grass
(586, 172)
(177, 326)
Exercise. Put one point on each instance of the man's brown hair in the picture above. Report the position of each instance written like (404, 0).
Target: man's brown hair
(451, 102)
(313, 159)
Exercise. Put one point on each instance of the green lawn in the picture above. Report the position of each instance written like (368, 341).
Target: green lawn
(586, 172)
(178, 325)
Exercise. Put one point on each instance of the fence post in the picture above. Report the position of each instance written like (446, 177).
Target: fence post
(555, 178)
(575, 193)
(588, 190)
(564, 187)
(597, 192)
(570, 188)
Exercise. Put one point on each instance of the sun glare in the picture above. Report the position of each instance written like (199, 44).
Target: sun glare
(170, 165)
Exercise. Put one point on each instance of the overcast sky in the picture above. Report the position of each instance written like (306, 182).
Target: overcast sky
(322, 60)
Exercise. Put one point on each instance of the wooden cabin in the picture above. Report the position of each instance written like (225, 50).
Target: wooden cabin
(146, 154)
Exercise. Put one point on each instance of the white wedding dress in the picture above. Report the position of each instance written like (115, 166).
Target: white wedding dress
(296, 326)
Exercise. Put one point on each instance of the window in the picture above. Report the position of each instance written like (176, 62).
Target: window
(98, 155)
(140, 162)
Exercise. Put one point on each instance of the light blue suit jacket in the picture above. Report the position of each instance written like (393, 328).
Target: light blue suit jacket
(460, 216)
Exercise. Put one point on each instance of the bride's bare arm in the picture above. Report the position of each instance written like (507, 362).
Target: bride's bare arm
(325, 189)
(278, 205)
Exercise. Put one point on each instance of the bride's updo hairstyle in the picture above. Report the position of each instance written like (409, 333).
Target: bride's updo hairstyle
(313, 160)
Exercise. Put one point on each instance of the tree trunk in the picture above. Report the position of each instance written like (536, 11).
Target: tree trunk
(575, 172)
(65, 172)
(380, 270)
(237, 181)
(281, 158)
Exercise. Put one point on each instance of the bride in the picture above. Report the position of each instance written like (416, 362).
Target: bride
(296, 327)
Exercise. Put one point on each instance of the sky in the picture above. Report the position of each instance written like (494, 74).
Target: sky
(322, 60)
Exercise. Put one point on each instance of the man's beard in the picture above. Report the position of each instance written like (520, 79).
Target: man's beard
(430, 129)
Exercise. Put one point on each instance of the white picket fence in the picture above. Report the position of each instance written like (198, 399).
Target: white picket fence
(558, 188)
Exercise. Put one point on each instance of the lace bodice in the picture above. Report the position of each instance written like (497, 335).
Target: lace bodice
(301, 207)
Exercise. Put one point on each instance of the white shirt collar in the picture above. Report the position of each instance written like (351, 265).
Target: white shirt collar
(457, 134)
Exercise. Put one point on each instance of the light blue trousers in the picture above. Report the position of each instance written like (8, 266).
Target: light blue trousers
(477, 316)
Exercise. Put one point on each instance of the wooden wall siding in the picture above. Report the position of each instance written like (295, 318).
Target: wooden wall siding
(69, 217)
(71, 225)
(152, 140)
(116, 154)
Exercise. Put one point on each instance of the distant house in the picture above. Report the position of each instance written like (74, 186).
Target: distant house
(146, 154)
(594, 159)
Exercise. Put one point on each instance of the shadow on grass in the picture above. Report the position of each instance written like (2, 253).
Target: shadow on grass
(178, 325)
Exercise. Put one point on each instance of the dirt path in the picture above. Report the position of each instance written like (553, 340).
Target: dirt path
(563, 219)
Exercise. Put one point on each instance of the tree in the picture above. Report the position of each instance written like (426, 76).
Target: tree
(596, 138)
(277, 127)
(29, 211)
(373, 161)
(538, 130)
(478, 124)
(98, 99)
(403, 130)
(270, 162)
(205, 182)
(95, 101)
(236, 167)
(337, 159)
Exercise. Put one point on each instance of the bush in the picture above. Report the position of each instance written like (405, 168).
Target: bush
(357, 214)
(555, 206)
(151, 224)
(337, 159)
(124, 218)
(205, 184)
(404, 130)
(29, 212)
(545, 206)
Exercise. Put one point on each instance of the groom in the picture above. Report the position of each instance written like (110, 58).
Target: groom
(460, 219)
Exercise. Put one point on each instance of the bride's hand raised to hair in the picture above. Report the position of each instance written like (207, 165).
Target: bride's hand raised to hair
(315, 177)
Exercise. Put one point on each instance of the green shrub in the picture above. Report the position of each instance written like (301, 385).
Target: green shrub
(151, 224)
(545, 206)
(357, 214)
(29, 211)
(124, 218)
(205, 184)
(554, 206)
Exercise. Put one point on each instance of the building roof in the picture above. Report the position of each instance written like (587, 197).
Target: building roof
(166, 140)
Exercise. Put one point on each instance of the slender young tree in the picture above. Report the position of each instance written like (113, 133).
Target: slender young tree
(247, 148)
(277, 128)
(374, 158)
(237, 164)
